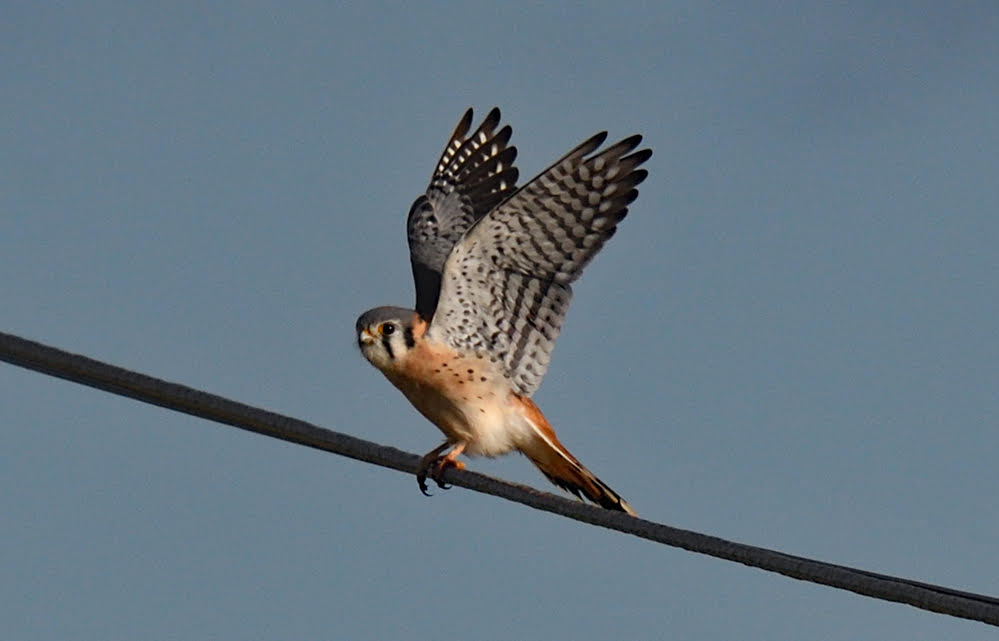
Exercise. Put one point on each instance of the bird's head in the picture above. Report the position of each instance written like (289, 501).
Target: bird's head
(386, 334)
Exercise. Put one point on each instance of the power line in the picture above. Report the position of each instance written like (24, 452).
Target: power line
(87, 371)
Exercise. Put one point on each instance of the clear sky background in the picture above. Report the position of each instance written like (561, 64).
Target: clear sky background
(791, 342)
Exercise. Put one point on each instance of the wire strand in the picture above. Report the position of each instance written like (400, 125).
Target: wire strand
(87, 371)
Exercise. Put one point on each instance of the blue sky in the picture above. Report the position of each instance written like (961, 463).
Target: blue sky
(791, 341)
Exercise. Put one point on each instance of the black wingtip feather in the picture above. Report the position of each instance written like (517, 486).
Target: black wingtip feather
(593, 142)
(633, 140)
(493, 117)
(463, 125)
(503, 136)
(639, 156)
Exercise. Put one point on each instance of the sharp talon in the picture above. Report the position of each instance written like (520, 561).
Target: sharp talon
(435, 473)
(437, 470)
(433, 465)
(421, 480)
(421, 476)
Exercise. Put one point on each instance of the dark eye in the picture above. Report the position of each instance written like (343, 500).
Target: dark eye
(387, 329)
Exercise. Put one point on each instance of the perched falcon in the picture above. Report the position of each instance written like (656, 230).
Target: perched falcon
(493, 266)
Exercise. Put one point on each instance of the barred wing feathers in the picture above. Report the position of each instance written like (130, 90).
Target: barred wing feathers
(507, 284)
(475, 172)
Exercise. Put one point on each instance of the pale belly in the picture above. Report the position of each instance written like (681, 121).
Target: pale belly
(466, 408)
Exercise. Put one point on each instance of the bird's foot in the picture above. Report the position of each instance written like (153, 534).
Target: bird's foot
(434, 465)
(437, 471)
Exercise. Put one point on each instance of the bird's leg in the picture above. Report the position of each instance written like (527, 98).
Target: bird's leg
(428, 461)
(444, 462)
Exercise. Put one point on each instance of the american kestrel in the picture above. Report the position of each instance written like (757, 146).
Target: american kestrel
(493, 266)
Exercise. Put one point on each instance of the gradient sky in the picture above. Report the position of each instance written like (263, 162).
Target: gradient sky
(791, 342)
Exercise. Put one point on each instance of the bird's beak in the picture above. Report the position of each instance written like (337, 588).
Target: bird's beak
(367, 337)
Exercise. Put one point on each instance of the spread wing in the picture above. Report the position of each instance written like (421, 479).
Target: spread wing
(474, 173)
(506, 285)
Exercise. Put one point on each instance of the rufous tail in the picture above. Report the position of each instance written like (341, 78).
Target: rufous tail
(562, 468)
